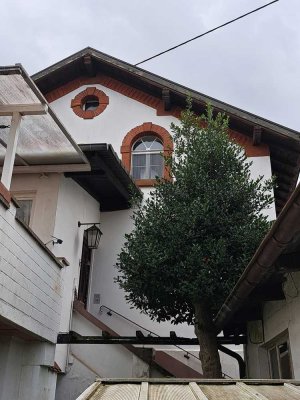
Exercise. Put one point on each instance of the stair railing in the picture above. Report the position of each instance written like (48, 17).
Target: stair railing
(187, 354)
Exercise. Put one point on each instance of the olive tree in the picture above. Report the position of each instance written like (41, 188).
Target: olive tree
(194, 234)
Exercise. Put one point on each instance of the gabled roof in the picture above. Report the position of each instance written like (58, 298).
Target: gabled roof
(284, 143)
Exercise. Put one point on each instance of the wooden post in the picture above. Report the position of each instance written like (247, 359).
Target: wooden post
(11, 150)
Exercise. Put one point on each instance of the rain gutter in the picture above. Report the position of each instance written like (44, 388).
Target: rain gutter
(281, 234)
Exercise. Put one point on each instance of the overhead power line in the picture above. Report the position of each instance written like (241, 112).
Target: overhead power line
(206, 33)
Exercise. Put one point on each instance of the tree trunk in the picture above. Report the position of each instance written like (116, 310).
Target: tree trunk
(207, 337)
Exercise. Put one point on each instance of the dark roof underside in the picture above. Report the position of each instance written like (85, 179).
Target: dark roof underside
(108, 182)
(283, 142)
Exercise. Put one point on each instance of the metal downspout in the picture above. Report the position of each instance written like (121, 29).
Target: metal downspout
(241, 362)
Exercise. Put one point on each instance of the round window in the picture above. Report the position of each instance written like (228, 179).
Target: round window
(90, 103)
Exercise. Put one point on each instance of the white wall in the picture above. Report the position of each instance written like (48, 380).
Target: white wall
(24, 370)
(30, 280)
(114, 225)
(43, 189)
(120, 116)
(279, 316)
(73, 204)
(261, 166)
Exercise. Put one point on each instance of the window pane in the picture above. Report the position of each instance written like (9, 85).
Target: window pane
(148, 141)
(23, 213)
(274, 363)
(156, 165)
(139, 173)
(139, 160)
(139, 146)
(139, 166)
(284, 358)
(157, 145)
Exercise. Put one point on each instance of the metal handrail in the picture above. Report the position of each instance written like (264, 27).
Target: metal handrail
(187, 353)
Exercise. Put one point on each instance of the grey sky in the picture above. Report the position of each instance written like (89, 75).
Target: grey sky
(252, 64)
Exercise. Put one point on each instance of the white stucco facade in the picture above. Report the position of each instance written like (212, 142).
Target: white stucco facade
(122, 115)
(74, 204)
(37, 293)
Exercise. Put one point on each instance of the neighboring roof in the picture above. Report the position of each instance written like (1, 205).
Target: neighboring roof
(179, 389)
(284, 143)
(108, 181)
(42, 137)
(281, 241)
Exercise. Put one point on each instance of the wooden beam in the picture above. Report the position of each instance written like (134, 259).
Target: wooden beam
(23, 109)
(197, 392)
(89, 65)
(22, 161)
(292, 387)
(89, 391)
(250, 391)
(256, 135)
(144, 391)
(46, 169)
(166, 99)
(10, 153)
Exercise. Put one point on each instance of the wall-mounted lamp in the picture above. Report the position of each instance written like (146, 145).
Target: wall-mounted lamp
(54, 241)
(93, 234)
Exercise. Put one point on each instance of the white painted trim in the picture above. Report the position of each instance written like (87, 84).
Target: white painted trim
(24, 109)
(144, 391)
(10, 153)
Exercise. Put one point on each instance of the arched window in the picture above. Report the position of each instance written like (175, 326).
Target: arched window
(142, 150)
(147, 159)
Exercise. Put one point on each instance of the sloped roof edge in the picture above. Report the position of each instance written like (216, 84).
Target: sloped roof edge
(272, 246)
(175, 87)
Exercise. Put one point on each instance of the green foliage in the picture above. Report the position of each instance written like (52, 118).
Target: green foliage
(193, 236)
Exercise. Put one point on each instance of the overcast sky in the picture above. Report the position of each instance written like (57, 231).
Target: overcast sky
(253, 64)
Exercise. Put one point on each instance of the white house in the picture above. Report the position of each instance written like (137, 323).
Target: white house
(40, 238)
(100, 110)
(104, 100)
(31, 277)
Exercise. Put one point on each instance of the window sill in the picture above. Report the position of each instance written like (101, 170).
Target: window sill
(150, 182)
(145, 182)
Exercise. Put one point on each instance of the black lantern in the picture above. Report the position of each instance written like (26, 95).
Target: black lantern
(93, 235)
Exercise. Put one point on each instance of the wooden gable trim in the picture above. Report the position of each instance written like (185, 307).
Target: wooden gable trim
(117, 86)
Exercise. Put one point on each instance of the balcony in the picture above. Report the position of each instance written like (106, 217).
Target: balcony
(30, 281)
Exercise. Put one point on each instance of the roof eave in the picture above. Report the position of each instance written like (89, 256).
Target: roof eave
(275, 242)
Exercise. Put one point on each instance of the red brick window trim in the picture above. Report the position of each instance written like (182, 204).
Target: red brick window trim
(136, 133)
(100, 99)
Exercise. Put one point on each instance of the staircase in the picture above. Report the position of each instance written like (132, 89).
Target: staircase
(144, 361)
